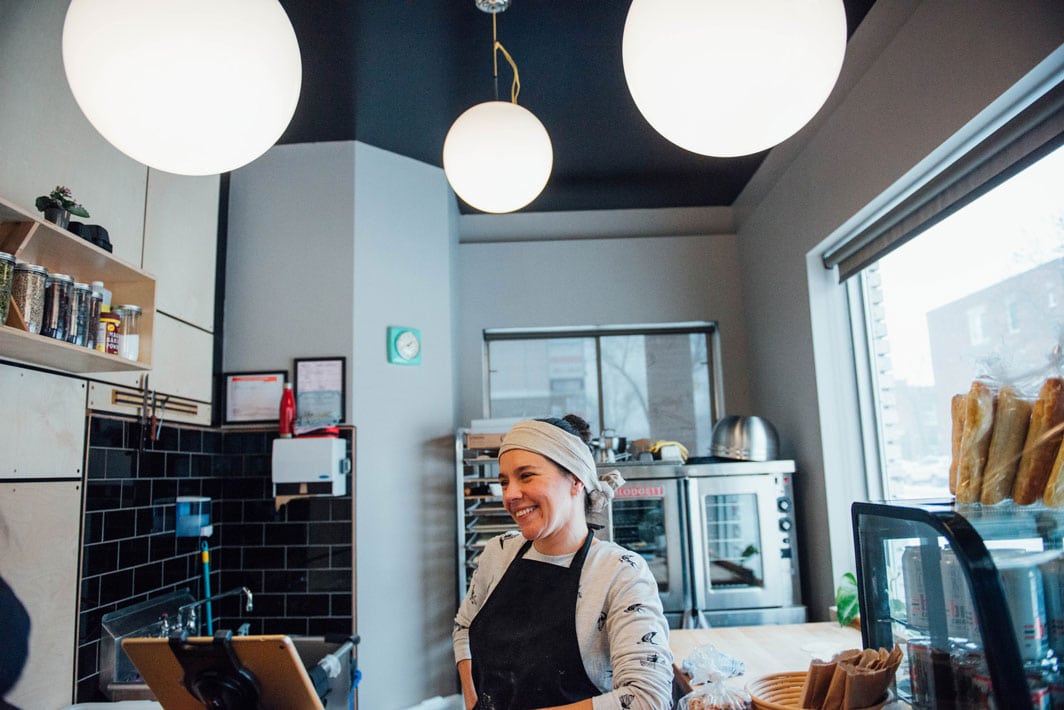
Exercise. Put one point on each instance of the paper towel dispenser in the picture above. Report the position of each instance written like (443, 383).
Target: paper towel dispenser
(310, 465)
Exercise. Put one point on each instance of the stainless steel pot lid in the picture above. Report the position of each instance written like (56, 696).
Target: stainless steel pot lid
(745, 438)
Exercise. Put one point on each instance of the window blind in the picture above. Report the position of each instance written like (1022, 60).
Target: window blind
(1030, 135)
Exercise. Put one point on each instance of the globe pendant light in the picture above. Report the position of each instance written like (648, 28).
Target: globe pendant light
(732, 77)
(497, 155)
(194, 87)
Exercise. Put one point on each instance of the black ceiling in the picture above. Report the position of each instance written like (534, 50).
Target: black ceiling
(396, 73)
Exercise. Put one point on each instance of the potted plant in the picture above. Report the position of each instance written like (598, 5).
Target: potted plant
(58, 205)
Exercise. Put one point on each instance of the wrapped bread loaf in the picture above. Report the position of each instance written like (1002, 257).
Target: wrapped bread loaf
(1054, 491)
(975, 442)
(1042, 442)
(1011, 420)
(957, 406)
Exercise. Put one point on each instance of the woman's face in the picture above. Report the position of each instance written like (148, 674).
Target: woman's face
(545, 501)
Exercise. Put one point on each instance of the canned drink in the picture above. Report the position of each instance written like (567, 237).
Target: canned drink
(971, 676)
(1053, 589)
(912, 574)
(1040, 696)
(1056, 691)
(961, 621)
(930, 675)
(1026, 601)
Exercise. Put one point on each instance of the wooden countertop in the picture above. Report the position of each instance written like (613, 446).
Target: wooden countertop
(766, 649)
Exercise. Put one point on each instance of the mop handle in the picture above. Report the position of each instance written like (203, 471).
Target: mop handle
(205, 555)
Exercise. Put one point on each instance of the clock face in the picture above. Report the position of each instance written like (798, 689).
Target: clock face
(404, 345)
(407, 345)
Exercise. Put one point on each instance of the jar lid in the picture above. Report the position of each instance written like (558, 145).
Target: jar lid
(81, 286)
(128, 308)
(61, 277)
(4, 256)
(27, 266)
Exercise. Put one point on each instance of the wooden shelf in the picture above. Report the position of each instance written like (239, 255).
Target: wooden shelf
(42, 350)
(38, 242)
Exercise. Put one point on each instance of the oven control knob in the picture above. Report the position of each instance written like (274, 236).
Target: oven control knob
(786, 524)
(783, 504)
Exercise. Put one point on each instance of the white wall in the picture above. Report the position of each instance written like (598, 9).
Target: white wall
(328, 245)
(600, 282)
(45, 140)
(942, 62)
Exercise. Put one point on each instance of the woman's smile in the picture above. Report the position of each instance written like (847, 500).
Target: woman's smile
(545, 501)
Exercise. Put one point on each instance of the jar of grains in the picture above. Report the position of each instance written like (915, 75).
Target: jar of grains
(7, 277)
(27, 291)
(58, 293)
(79, 314)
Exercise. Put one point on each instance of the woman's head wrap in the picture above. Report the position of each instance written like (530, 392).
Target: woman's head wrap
(568, 451)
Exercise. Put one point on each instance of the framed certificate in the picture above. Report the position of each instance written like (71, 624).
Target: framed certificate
(320, 388)
(253, 397)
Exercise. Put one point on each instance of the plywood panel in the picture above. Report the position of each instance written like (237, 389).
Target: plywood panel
(39, 524)
(45, 436)
(180, 240)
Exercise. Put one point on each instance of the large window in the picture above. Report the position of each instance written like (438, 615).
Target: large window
(653, 382)
(977, 294)
(974, 291)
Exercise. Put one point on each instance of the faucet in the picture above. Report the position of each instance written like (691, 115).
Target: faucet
(187, 612)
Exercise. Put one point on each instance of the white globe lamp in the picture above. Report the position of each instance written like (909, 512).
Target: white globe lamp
(497, 156)
(732, 77)
(194, 87)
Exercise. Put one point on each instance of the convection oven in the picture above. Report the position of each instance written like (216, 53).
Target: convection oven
(744, 567)
(719, 538)
(648, 518)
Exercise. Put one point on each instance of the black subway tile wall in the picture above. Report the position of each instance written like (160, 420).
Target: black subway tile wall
(296, 558)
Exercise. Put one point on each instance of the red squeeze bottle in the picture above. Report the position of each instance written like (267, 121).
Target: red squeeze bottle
(287, 411)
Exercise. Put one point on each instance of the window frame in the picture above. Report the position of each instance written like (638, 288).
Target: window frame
(709, 328)
(1024, 125)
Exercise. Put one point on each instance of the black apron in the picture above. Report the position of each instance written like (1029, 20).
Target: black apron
(523, 642)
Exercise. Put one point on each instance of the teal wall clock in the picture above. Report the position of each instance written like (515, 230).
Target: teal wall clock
(404, 345)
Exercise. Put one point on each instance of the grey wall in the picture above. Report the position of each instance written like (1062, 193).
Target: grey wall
(290, 256)
(600, 282)
(328, 245)
(405, 503)
(942, 62)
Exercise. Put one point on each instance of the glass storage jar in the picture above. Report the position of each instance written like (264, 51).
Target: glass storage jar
(79, 314)
(128, 331)
(7, 277)
(95, 308)
(27, 290)
(58, 293)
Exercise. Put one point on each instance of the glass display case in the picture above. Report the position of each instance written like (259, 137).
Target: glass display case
(974, 595)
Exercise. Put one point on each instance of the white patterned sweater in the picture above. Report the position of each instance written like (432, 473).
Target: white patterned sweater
(620, 627)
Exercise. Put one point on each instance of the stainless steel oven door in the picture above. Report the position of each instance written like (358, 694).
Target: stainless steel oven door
(647, 518)
(741, 546)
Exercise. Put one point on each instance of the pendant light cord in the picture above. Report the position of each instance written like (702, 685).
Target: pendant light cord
(515, 87)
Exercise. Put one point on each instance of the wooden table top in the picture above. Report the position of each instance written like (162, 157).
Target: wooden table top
(766, 649)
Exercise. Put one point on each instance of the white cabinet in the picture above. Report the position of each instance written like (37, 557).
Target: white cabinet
(180, 245)
(186, 360)
(44, 432)
(182, 372)
(39, 559)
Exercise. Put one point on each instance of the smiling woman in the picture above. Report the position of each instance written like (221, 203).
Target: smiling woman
(554, 617)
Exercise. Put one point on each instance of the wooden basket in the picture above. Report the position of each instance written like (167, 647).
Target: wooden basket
(783, 691)
(777, 691)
